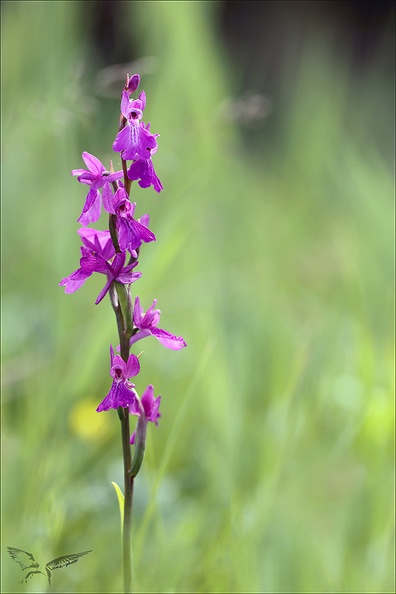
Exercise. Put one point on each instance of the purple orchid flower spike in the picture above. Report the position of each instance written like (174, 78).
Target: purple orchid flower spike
(131, 232)
(147, 325)
(150, 406)
(114, 253)
(96, 177)
(96, 252)
(122, 392)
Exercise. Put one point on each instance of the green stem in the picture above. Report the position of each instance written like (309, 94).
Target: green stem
(128, 500)
(123, 414)
(121, 302)
(127, 181)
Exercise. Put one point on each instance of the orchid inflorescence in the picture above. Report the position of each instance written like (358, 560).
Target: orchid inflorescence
(115, 252)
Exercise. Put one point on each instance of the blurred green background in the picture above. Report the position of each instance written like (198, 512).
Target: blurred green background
(272, 466)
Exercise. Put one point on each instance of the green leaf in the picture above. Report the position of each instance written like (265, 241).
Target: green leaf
(120, 497)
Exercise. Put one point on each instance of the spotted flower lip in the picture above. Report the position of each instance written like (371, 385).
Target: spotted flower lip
(122, 392)
(135, 141)
(147, 325)
(143, 170)
(96, 177)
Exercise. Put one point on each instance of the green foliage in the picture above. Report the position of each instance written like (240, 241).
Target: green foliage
(272, 466)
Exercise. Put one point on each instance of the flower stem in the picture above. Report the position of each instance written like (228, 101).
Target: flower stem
(127, 181)
(123, 414)
(121, 302)
(128, 500)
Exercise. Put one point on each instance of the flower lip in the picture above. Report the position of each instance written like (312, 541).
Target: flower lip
(143, 170)
(135, 141)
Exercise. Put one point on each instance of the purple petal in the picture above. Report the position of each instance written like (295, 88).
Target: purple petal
(87, 178)
(125, 103)
(144, 219)
(170, 341)
(117, 265)
(78, 171)
(143, 170)
(151, 317)
(108, 199)
(93, 163)
(132, 366)
(121, 141)
(154, 414)
(93, 262)
(148, 399)
(92, 208)
(90, 235)
(122, 205)
(126, 278)
(135, 142)
(139, 335)
(104, 291)
(137, 311)
(151, 404)
(142, 98)
(132, 233)
(97, 241)
(112, 177)
(118, 367)
(75, 281)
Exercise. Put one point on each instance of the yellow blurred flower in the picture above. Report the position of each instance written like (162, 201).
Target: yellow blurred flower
(87, 424)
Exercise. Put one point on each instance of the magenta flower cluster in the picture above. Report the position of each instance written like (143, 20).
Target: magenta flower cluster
(115, 252)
